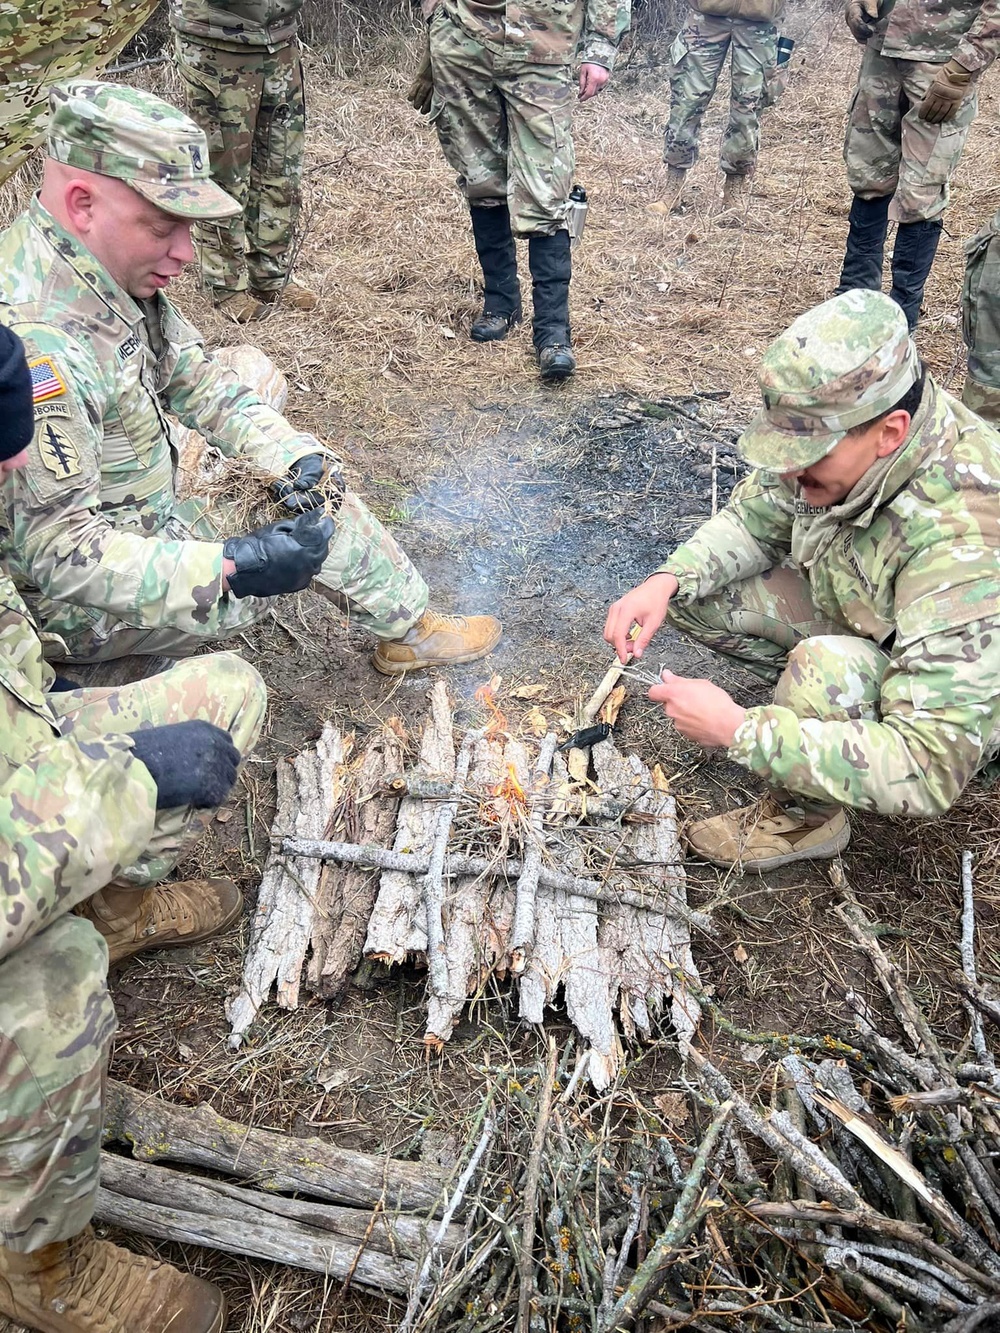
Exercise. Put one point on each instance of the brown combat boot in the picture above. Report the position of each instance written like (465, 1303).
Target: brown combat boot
(293, 296)
(671, 201)
(86, 1285)
(169, 916)
(734, 191)
(765, 835)
(437, 640)
(240, 307)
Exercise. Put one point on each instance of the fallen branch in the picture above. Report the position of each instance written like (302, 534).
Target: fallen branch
(523, 931)
(437, 961)
(529, 1207)
(983, 1054)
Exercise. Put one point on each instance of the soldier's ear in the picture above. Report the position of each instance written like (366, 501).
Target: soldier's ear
(895, 427)
(79, 200)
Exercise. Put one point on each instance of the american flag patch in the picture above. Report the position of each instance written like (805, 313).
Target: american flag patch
(46, 382)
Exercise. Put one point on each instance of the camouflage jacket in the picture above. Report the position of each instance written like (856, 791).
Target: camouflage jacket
(545, 32)
(90, 520)
(937, 30)
(235, 24)
(73, 810)
(917, 570)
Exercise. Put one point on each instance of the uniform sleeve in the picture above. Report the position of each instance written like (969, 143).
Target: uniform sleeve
(72, 814)
(979, 47)
(605, 23)
(752, 534)
(61, 541)
(940, 703)
(210, 399)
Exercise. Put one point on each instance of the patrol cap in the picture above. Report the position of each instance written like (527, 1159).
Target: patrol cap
(838, 365)
(124, 132)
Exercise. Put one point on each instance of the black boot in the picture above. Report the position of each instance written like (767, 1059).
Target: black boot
(869, 222)
(551, 268)
(498, 259)
(912, 257)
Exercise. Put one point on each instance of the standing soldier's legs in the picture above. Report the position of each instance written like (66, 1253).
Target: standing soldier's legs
(872, 152)
(930, 154)
(276, 179)
(539, 100)
(471, 123)
(981, 321)
(132, 913)
(699, 52)
(223, 94)
(56, 1025)
(755, 51)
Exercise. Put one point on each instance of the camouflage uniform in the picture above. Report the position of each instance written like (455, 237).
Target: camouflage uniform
(111, 561)
(77, 812)
(981, 321)
(889, 149)
(504, 97)
(879, 617)
(710, 31)
(240, 62)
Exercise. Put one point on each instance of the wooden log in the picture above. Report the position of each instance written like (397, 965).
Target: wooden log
(158, 1130)
(172, 1205)
(308, 789)
(397, 924)
(346, 894)
(525, 894)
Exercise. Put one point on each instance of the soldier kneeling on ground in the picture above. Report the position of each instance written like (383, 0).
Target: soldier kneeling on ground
(100, 790)
(111, 560)
(856, 567)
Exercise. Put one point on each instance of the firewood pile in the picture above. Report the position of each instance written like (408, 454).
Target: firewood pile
(496, 856)
(865, 1195)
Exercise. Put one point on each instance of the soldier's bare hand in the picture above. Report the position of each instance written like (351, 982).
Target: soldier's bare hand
(645, 606)
(699, 710)
(592, 80)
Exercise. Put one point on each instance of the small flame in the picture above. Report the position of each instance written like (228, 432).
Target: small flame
(510, 791)
(497, 724)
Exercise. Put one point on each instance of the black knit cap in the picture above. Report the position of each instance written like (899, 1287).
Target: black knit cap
(17, 423)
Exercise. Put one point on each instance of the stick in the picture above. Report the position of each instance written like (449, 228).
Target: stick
(983, 1054)
(423, 1277)
(522, 934)
(437, 958)
(652, 1271)
(378, 858)
(525, 1276)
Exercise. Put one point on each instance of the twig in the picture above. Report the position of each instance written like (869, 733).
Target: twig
(983, 1054)
(652, 1271)
(423, 1276)
(525, 1274)
(437, 959)
(522, 934)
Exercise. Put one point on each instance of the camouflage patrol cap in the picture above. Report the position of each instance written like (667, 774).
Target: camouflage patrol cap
(124, 132)
(839, 365)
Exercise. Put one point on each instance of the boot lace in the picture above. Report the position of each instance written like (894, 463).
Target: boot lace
(106, 1279)
(169, 909)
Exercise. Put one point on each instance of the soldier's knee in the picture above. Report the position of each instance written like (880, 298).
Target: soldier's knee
(832, 676)
(246, 695)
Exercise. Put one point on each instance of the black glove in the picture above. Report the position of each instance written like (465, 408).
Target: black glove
(192, 763)
(61, 684)
(281, 557)
(421, 91)
(298, 491)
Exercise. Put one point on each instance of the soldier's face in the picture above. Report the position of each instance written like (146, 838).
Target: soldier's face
(833, 478)
(142, 247)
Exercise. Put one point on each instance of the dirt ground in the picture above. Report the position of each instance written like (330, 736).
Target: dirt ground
(542, 505)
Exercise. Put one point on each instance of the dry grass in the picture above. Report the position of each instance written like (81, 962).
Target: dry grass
(382, 370)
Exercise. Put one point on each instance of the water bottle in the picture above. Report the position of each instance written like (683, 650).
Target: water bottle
(576, 214)
(785, 47)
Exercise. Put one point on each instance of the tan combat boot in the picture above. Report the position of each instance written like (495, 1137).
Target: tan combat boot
(86, 1285)
(437, 640)
(169, 916)
(293, 296)
(764, 836)
(671, 201)
(240, 307)
(734, 191)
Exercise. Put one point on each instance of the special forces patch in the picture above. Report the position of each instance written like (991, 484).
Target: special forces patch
(46, 382)
(58, 451)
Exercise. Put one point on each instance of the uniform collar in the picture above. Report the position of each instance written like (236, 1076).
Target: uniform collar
(91, 273)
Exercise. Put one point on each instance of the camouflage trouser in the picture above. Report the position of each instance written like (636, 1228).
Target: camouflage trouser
(251, 105)
(981, 321)
(699, 52)
(366, 574)
(56, 1018)
(505, 125)
(889, 150)
(771, 625)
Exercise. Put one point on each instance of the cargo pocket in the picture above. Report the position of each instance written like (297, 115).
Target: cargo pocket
(980, 312)
(775, 83)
